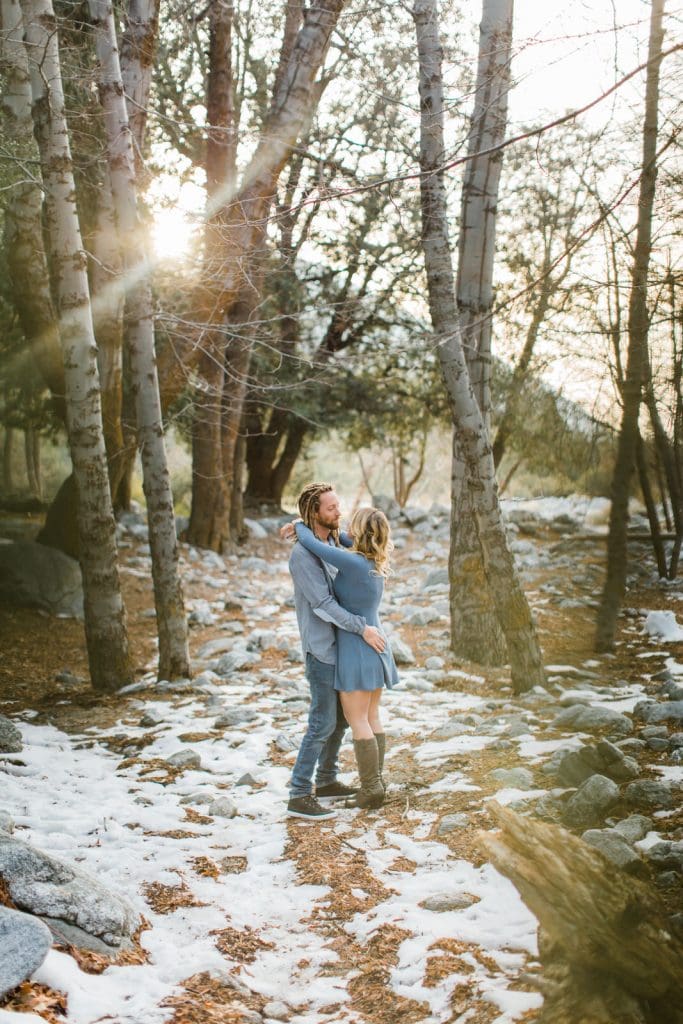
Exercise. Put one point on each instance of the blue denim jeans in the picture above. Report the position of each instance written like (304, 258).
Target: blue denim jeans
(326, 727)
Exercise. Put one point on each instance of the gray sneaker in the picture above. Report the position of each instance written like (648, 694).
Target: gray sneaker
(307, 807)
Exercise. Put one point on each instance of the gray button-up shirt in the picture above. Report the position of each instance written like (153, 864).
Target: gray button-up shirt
(317, 610)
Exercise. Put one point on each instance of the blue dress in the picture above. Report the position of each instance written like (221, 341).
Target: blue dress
(359, 590)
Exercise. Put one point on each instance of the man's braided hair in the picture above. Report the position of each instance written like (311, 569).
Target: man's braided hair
(309, 505)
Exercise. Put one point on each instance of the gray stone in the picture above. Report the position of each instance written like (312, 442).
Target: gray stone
(603, 758)
(201, 614)
(63, 932)
(235, 716)
(631, 745)
(591, 802)
(235, 661)
(667, 880)
(223, 807)
(185, 759)
(257, 531)
(615, 847)
(284, 743)
(403, 654)
(515, 778)
(589, 719)
(666, 712)
(387, 504)
(422, 617)
(151, 718)
(434, 663)
(443, 902)
(25, 942)
(261, 639)
(666, 856)
(450, 729)
(217, 646)
(451, 822)
(277, 1010)
(35, 576)
(44, 885)
(652, 731)
(676, 740)
(649, 795)
(10, 737)
(247, 780)
(437, 577)
(658, 743)
(6, 822)
(634, 828)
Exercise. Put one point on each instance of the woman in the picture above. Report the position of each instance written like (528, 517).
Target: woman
(361, 672)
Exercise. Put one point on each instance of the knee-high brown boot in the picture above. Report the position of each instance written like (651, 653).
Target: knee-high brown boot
(381, 750)
(371, 789)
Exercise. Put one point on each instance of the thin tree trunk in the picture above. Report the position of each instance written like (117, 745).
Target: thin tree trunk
(29, 448)
(26, 258)
(235, 230)
(512, 607)
(139, 339)
(105, 618)
(7, 451)
(475, 630)
(138, 49)
(637, 357)
(648, 497)
(35, 458)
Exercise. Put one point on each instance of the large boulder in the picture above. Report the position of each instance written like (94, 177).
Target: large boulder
(24, 942)
(10, 737)
(603, 758)
(592, 719)
(35, 576)
(51, 888)
(591, 802)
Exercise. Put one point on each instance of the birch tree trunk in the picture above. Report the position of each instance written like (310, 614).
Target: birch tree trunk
(475, 631)
(139, 341)
(637, 355)
(512, 609)
(233, 253)
(138, 48)
(26, 259)
(105, 618)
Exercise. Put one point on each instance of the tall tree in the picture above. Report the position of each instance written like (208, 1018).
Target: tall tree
(105, 619)
(139, 342)
(475, 631)
(478, 475)
(243, 218)
(637, 352)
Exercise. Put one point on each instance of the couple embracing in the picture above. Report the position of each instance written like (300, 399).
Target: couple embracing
(338, 585)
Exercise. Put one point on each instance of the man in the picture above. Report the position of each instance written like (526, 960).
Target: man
(318, 614)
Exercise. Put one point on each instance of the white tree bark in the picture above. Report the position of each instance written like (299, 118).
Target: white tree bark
(474, 628)
(139, 340)
(511, 605)
(105, 619)
(138, 46)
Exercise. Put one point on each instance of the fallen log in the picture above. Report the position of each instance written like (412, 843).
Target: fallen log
(609, 952)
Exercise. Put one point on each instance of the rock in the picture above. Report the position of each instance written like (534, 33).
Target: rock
(591, 802)
(676, 740)
(435, 663)
(46, 886)
(35, 576)
(63, 932)
(247, 780)
(450, 729)
(201, 614)
(437, 577)
(615, 847)
(235, 716)
(604, 758)
(25, 942)
(222, 807)
(634, 828)
(295, 654)
(514, 778)
(219, 645)
(649, 795)
(276, 1010)
(451, 822)
(422, 617)
(6, 823)
(666, 856)
(653, 712)
(285, 744)
(151, 718)
(590, 719)
(10, 737)
(403, 654)
(185, 759)
(388, 505)
(255, 529)
(261, 639)
(235, 661)
(443, 902)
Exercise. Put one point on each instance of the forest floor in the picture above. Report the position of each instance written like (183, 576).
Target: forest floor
(367, 917)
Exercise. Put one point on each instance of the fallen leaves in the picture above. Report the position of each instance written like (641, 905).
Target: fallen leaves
(30, 997)
(240, 945)
(165, 899)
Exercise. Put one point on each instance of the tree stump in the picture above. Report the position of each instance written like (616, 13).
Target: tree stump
(609, 952)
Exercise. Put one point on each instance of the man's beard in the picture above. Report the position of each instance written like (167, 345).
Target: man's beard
(329, 524)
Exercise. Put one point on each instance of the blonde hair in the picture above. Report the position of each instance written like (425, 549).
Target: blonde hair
(371, 534)
(309, 505)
